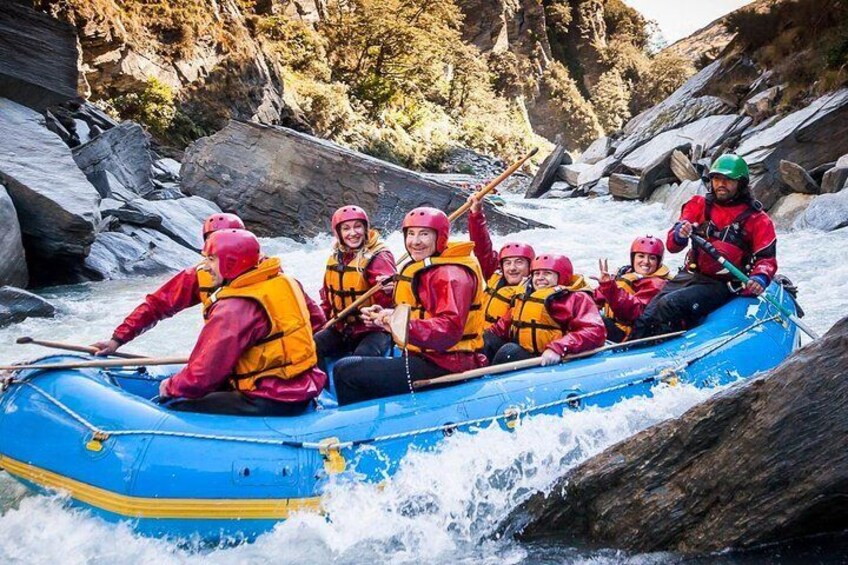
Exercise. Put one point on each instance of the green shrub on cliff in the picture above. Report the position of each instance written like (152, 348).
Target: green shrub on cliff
(152, 106)
(611, 99)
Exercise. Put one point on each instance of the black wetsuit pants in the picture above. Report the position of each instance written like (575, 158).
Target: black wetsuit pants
(498, 351)
(364, 378)
(682, 304)
(235, 403)
(333, 343)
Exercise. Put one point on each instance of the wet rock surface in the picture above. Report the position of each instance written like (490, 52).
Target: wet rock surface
(764, 461)
(123, 151)
(17, 305)
(13, 267)
(285, 183)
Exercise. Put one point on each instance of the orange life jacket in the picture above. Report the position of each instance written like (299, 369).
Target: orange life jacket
(625, 282)
(500, 298)
(533, 327)
(345, 283)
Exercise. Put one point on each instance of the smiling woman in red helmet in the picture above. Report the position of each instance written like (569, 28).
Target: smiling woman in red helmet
(443, 286)
(255, 354)
(359, 261)
(187, 288)
(554, 315)
(623, 297)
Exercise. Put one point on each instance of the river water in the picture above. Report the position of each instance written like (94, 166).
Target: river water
(441, 506)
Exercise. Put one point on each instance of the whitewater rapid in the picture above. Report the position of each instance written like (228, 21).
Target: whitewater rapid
(441, 506)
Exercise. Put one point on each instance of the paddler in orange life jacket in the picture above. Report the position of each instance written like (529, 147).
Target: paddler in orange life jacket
(443, 286)
(359, 261)
(506, 272)
(187, 288)
(554, 316)
(622, 298)
(255, 355)
(734, 222)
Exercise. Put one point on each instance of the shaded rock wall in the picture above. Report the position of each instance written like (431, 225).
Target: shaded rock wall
(762, 462)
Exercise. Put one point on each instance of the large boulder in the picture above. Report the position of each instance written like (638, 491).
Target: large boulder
(17, 305)
(13, 268)
(681, 194)
(285, 183)
(547, 173)
(571, 173)
(685, 105)
(808, 137)
(796, 178)
(836, 179)
(123, 151)
(707, 132)
(136, 251)
(625, 187)
(599, 149)
(56, 205)
(181, 220)
(827, 212)
(38, 57)
(762, 462)
(787, 210)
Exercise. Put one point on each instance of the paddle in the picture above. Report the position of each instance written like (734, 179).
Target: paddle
(456, 214)
(527, 363)
(71, 347)
(140, 362)
(736, 272)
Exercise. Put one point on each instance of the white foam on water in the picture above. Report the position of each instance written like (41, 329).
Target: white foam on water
(440, 506)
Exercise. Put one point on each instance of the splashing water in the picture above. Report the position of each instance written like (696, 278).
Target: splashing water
(441, 505)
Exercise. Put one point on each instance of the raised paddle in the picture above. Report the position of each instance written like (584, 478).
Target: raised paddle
(736, 272)
(456, 214)
(527, 363)
(140, 362)
(71, 347)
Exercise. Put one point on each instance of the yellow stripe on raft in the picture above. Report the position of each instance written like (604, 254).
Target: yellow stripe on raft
(138, 507)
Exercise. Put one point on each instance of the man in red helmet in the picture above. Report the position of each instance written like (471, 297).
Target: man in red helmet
(255, 355)
(623, 297)
(443, 286)
(359, 261)
(187, 288)
(554, 316)
(734, 222)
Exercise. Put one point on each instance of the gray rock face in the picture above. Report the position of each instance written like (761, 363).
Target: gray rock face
(546, 174)
(13, 268)
(834, 180)
(796, 178)
(807, 137)
(136, 251)
(680, 195)
(130, 213)
(624, 186)
(658, 172)
(571, 173)
(57, 206)
(788, 208)
(38, 57)
(684, 105)
(123, 151)
(282, 182)
(759, 463)
(17, 305)
(599, 149)
(181, 220)
(827, 212)
(707, 132)
(761, 105)
(593, 174)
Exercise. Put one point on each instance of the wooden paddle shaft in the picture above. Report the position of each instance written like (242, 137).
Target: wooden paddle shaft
(101, 364)
(354, 305)
(527, 363)
(73, 347)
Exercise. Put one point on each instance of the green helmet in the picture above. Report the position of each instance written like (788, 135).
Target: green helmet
(730, 165)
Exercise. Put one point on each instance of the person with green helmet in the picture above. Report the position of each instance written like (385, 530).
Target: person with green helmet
(734, 222)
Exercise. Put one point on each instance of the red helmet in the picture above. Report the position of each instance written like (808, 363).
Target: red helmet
(347, 213)
(433, 218)
(221, 221)
(516, 250)
(647, 244)
(560, 264)
(237, 251)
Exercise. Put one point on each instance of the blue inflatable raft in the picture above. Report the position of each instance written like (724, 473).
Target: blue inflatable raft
(97, 436)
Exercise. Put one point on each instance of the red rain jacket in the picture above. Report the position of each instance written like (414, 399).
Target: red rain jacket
(627, 307)
(446, 291)
(758, 245)
(579, 318)
(232, 326)
(478, 232)
(177, 294)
